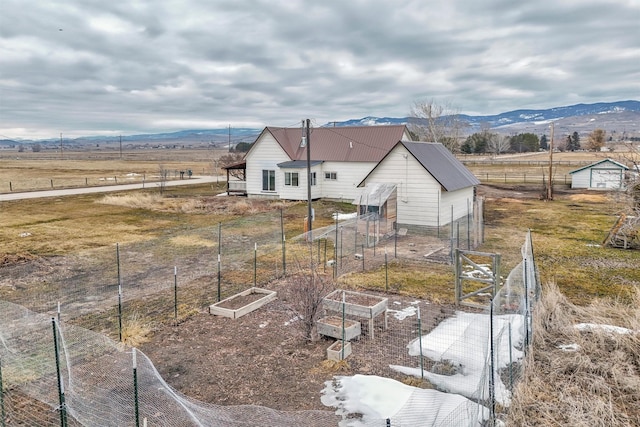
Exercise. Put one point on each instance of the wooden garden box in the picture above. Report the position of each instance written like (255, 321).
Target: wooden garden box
(262, 297)
(334, 352)
(357, 304)
(331, 326)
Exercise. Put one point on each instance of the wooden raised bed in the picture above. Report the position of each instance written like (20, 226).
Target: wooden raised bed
(233, 306)
(334, 352)
(331, 326)
(357, 304)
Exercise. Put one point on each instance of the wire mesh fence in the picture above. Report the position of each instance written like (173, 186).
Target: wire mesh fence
(443, 347)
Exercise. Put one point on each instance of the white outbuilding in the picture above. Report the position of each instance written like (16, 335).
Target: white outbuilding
(431, 186)
(606, 174)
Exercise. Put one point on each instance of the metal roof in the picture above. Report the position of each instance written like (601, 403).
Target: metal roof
(297, 164)
(619, 165)
(340, 144)
(440, 163)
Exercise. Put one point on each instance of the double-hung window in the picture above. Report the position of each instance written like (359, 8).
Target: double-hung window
(268, 180)
(291, 178)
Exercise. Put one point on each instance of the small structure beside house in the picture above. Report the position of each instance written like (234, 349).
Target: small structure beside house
(605, 174)
(276, 164)
(431, 186)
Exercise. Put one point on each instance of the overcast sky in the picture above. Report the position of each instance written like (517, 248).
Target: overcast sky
(91, 67)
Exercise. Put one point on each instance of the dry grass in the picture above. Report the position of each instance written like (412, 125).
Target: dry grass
(135, 332)
(597, 385)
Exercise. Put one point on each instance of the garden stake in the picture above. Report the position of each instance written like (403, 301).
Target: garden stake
(175, 293)
(119, 294)
(63, 411)
(135, 388)
(420, 343)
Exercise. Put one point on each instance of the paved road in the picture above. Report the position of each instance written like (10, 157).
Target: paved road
(105, 189)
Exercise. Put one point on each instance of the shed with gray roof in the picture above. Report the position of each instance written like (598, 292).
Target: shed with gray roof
(433, 187)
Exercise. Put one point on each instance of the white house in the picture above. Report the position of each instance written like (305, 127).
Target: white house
(276, 164)
(433, 187)
(606, 174)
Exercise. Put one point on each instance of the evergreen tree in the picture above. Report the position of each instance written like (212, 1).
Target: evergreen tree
(575, 141)
(544, 144)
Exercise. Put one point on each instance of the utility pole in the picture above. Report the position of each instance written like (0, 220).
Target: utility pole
(61, 155)
(310, 213)
(229, 138)
(120, 146)
(550, 184)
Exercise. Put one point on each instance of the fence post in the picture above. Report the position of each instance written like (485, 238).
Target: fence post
(492, 396)
(175, 293)
(255, 265)
(135, 388)
(63, 410)
(119, 294)
(52, 183)
(363, 257)
(219, 256)
(1, 398)
(10, 186)
(284, 250)
(420, 342)
(386, 271)
(343, 331)
(335, 251)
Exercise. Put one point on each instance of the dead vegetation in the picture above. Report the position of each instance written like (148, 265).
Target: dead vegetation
(588, 377)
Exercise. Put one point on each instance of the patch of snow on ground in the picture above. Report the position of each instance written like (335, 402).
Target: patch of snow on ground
(290, 321)
(404, 313)
(569, 347)
(462, 341)
(603, 328)
(378, 398)
(342, 217)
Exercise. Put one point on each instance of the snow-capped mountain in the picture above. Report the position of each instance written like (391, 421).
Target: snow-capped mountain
(621, 116)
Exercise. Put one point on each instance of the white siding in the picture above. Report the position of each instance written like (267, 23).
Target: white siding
(461, 201)
(580, 179)
(606, 175)
(418, 191)
(290, 192)
(349, 175)
(266, 154)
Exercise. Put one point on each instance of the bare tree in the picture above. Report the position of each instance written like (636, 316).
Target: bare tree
(306, 291)
(163, 175)
(498, 144)
(436, 123)
(230, 159)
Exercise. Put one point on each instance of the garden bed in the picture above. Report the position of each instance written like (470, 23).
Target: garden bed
(331, 326)
(242, 303)
(357, 304)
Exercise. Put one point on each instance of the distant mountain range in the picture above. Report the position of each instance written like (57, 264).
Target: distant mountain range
(622, 117)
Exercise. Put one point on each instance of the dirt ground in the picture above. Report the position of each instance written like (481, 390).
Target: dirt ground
(263, 359)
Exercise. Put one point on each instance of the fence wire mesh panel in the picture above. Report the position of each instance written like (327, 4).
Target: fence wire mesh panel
(453, 366)
(98, 383)
(459, 364)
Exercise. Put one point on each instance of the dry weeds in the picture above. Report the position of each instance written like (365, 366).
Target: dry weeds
(598, 383)
(135, 332)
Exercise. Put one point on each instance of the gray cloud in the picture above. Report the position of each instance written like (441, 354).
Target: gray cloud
(93, 67)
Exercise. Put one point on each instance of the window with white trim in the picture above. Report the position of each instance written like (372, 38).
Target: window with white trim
(313, 178)
(291, 178)
(268, 180)
(330, 176)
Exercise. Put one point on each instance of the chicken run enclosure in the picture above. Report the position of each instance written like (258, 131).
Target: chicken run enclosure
(61, 362)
